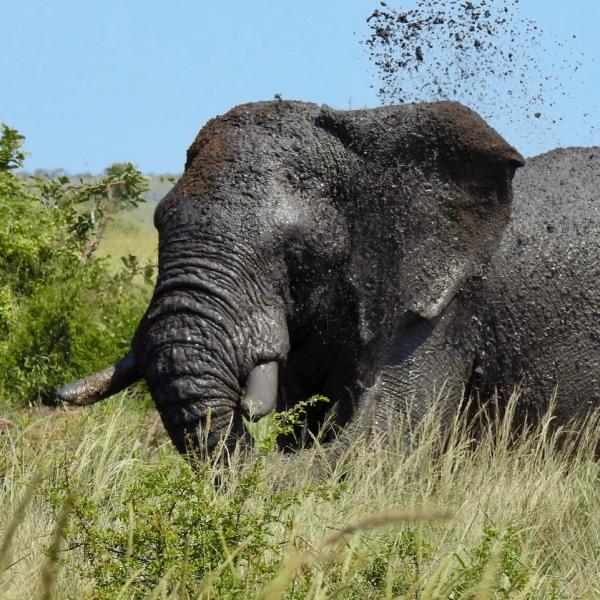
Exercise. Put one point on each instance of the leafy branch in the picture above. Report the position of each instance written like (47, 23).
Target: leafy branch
(91, 204)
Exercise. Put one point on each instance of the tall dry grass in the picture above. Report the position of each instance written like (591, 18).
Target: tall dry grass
(506, 516)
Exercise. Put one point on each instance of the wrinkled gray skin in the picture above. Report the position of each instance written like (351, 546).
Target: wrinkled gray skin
(298, 252)
(531, 321)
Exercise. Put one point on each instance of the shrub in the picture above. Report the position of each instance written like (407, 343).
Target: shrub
(217, 526)
(62, 312)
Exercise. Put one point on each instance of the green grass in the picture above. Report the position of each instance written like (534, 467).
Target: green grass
(496, 519)
(131, 232)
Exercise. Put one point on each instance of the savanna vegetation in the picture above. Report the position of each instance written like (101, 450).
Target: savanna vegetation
(97, 504)
(63, 309)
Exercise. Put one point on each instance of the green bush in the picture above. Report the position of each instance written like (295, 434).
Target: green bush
(500, 554)
(188, 527)
(174, 522)
(62, 312)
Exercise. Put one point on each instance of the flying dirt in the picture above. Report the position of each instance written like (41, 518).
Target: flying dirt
(485, 54)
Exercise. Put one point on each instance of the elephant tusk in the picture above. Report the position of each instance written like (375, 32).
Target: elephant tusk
(261, 390)
(102, 384)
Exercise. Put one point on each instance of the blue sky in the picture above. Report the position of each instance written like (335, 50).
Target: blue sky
(91, 83)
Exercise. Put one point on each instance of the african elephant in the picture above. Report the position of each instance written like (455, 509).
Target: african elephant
(296, 250)
(530, 321)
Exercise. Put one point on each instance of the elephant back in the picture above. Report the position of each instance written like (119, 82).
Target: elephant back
(539, 304)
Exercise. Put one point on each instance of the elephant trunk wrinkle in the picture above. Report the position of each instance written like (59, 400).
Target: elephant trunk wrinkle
(192, 317)
(187, 248)
(191, 405)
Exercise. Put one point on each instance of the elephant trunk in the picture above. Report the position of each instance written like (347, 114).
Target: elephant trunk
(196, 394)
(199, 411)
(201, 396)
(210, 342)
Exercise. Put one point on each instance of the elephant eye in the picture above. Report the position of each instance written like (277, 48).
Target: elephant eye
(497, 185)
(484, 185)
(512, 165)
(497, 175)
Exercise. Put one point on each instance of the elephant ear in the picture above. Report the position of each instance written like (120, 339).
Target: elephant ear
(416, 204)
(393, 283)
(385, 150)
(376, 313)
(372, 211)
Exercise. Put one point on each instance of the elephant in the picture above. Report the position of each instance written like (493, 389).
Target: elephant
(300, 246)
(529, 321)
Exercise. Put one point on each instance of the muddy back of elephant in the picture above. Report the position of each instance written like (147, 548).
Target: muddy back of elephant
(539, 305)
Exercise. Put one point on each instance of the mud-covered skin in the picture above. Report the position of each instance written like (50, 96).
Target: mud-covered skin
(532, 320)
(313, 237)
(540, 301)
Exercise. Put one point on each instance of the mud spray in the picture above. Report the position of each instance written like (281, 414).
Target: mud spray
(485, 54)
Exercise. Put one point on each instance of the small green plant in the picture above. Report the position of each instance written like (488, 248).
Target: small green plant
(266, 431)
(499, 553)
(11, 155)
(396, 565)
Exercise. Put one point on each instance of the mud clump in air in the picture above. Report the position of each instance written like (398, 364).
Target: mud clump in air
(483, 53)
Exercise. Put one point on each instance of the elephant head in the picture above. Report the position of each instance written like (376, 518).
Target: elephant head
(295, 248)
